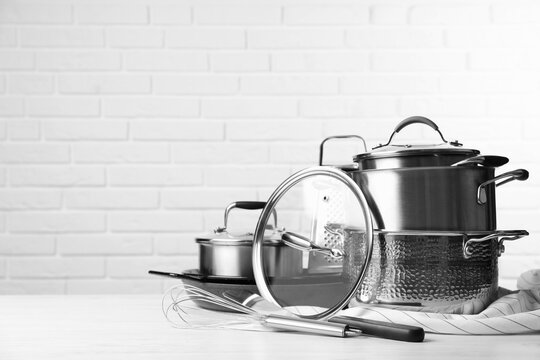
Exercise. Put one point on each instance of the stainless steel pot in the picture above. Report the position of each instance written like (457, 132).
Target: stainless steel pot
(444, 271)
(448, 272)
(441, 187)
(228, 255)
(434, 198)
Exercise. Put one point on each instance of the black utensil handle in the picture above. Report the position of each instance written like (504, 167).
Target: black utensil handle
(383, 329)
(250, 205)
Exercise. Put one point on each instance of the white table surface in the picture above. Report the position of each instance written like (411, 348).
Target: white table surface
(132, 327)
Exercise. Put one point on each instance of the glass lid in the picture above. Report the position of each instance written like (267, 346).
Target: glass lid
(327, 240)
(399, 150)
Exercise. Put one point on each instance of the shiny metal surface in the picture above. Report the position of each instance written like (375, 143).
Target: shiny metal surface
(503, 235)
(432, 198)
(309, 326)
(393, 156)
(229, 255)
(519, 174)
(246, 205)
(321, 146)
(429, 270)
(299, 242)
(234, 260)
(484, 160)
(402, 159)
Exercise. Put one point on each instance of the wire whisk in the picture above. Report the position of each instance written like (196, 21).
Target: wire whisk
(188, 306)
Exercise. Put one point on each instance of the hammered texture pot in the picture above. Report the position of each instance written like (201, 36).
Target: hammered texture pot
(431, 272)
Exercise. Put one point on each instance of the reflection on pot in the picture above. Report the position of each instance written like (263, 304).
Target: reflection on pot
(437, 271)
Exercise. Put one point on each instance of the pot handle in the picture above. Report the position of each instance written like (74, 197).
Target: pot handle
(418, 120)
(246, 205)
(483, 160)
(519, 174)
(321, 147)
(504, 235)
(302, 243)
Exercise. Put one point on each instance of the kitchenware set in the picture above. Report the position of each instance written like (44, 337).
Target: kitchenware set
(403, 225)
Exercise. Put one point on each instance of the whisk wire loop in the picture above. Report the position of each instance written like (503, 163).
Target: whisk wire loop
(187, 306)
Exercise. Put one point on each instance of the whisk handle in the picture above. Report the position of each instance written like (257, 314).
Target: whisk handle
(306, 325)
(382, 329)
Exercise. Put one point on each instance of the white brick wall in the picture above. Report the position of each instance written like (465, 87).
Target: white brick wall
(126, 127)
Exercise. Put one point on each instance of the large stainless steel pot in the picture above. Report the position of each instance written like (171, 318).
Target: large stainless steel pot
(441, 187)
(434, 198)
(448, 272)
(393, 156)
(228, 256)
(443, 271)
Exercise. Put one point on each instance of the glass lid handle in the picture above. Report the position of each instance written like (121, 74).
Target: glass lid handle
(418, 120)
(300, 242)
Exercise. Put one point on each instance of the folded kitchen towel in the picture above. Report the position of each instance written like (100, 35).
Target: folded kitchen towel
(514, 313)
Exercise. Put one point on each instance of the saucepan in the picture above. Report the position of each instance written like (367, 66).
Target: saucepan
(227, 254)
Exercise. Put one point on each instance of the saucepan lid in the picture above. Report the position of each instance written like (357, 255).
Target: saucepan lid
(326, 218)
(223, 236)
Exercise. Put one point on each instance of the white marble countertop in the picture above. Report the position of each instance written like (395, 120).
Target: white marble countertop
(133, 327)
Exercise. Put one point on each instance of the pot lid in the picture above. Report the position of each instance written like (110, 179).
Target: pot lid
(222, 236)
(399, 150)
(326, 218)
(271, 236)
(415, 150)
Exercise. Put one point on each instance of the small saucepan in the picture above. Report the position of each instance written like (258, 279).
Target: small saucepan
(227, 255)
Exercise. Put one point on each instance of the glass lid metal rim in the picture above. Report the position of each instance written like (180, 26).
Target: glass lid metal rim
(257, 258)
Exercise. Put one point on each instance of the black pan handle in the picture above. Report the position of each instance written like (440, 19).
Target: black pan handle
(245, 205)
(249, 205)
(383, 329)
(175, 275)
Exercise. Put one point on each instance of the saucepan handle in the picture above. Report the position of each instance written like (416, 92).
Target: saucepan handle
(417, 120)
(502, 235)
(186, 276)
(246, 205)
(519, 174)
(483, 160)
